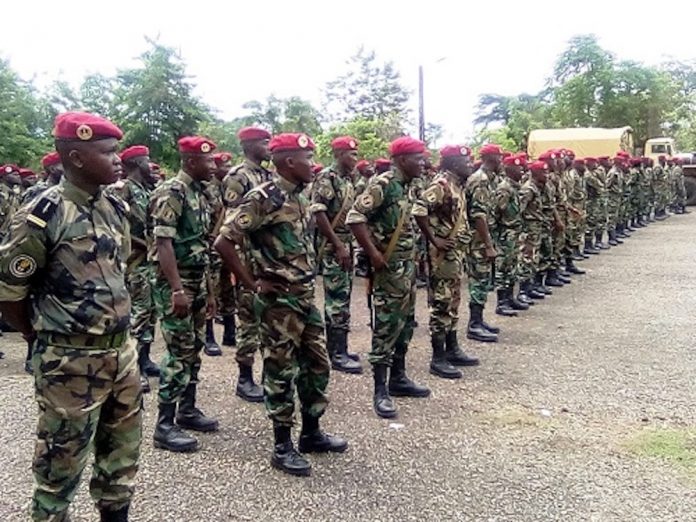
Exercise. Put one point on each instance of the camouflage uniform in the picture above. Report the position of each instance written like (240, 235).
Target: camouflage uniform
(547, 256)
(272, 219)
(678, 187)
(645, 189)
(660, 186)
(533, 224)
(9, 203)
(479, 199)
(615, 190)
(627, 211)
(577, 197)
(34, 191)
(387, 197)
(596, 190)
(67, 249)
(560, 236)
(238, 182)
(507, 232)
(179, 211)
(443, 202)
(334, 194)
(219, 278)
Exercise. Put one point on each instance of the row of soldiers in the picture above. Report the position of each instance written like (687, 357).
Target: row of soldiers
(92, 262)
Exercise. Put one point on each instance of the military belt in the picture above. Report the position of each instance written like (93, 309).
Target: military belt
(85, 340)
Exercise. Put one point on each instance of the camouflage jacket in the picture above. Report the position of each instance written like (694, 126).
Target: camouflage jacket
(213, 191)
(273, 220)
(615, 179)
(531, 206)
(507, 205)
(332, 192)
(384, 200)
(179, 210)
(241, 179)
(67, 251)
(34, 191)
(479, 196)
(575, 189)
(137, 197)
(8, 204)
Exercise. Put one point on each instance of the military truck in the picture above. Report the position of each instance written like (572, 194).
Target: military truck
(583, 141)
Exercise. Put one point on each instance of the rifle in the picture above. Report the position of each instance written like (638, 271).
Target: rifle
(368, 291)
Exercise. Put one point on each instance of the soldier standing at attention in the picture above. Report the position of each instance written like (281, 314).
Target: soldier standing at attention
(440, 212)
(180, 225)
(333, 194)
(67, 250)
(381, 222)
(54, 172)
(271, 221)
(135, 191)
(237, 183)
(482, 253)
(577, 195)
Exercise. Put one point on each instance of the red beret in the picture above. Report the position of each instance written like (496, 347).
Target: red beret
(291, 141)
(578, 161)
(222, 157)
(406, 145)
(85, 127)
(25, 173)
(10, 168)
(317, 168)
(382, 162)
(362, 165)
(636, 161)
(590, 159)
(196, 145)
(600, 158)
(549, 154)
(570, 153)
(623, 154)
(134, 152)
(454, 150)
(513, 161)
(538, 166)
(253, 133)
(52, 158)
(344, 143)
(490, 148)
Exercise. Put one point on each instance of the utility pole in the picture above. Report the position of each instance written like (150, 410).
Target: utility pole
(421, 111)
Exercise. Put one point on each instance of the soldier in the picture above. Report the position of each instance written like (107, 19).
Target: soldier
(180, 221)
(508, 228)
(366, 171)
(440, 212)
(555, 275)
(615, 190)
(381, 222)
(67, 249)
(135, 191)
(241, 179)
(382, 165)
(678, 187)
(333, 194)
(577, 195)
(54, 172)
(272, 219)
(534, 223)
(9, 201)
(660, 185)
(596, 188)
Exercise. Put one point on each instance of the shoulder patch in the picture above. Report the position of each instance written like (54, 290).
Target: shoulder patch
(121, 206)
(44, 210)
(269, 192)
(22, 266)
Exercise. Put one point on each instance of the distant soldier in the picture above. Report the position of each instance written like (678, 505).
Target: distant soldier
(440, 212)
(180, 220)
(271, 221)
(54, 172)
(577, 196)
(546, 275)
(381, 222)
(660, 185)
(596, 190)
(9, 197)
(333, 195)
(678, 187)
(237, 183)
(67, 249)
(615, 190)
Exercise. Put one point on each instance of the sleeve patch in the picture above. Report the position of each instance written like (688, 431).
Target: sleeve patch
(22, 266)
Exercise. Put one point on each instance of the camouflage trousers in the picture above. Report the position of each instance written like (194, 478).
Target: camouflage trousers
(479, 272)
(508, 244)
(338, 285)
(560, 240)
(247, 328)
(294, 355)
(531, 246)
(184, 338)
(626, 211)
(613, 211)
(679, 192)
(575, 231)
(546, 252)
(394, 303)
(89, 399)
(221, 282)
(143, 313)
(445, 298)
(595, 216)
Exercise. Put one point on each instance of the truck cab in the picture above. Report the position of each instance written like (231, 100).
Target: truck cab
(656, 147)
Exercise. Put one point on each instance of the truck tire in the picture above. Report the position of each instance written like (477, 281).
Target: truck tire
(690, 184)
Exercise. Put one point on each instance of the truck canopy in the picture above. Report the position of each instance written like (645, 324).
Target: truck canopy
(583, 141)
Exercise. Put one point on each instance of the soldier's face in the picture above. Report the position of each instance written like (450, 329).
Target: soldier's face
(411, 164)
(99, 160)
(201, 166)
(302, 164)
(348, 159)
(541, 176)
(259, 150)
(13, 179)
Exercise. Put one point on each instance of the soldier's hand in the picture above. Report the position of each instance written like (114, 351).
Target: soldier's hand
(211, 309)
(343, 257)
(181, 304)
(378, 262)
(264, 286)
(490, 253)
(443, 245)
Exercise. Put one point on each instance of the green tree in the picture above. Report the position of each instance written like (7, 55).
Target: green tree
(373, 136)
(283, 115)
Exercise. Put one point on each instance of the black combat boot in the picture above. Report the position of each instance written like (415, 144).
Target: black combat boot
(439, 365)
(337, 346)
(589, 247)
(119, 515)
(189, 416)
(382, 402)
(399, 383)
(523, 295)
(539, 285)
(563, 276)
(247, 389)
(552, 278)
(229, 334)
(212, 348)
(168, 435)
(598, 241)
(455, 355)
(313, 440)
(504, 307)
(146, 365)
(628, 227)
(577, 255)
(515, 302)
(614, 238)
(572, 267)
(285, 457)
(683, 209)
(475, 330)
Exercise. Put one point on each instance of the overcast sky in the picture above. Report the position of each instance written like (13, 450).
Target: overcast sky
(238, 51)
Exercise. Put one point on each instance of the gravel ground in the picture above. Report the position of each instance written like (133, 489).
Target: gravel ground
(538, 432)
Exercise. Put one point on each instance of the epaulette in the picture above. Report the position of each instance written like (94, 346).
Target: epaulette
(121, 206)
(44, 209)
(269, 191)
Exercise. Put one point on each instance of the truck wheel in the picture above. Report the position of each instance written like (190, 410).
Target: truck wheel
(690, 184)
